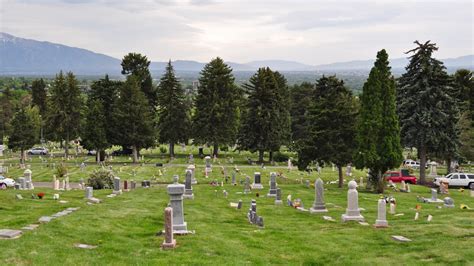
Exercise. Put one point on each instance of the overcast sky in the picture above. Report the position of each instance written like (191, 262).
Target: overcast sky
(312, 32)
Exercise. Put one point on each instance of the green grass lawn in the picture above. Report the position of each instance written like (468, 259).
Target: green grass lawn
(124, 227)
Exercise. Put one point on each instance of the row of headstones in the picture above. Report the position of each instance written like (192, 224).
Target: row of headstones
(25, 182)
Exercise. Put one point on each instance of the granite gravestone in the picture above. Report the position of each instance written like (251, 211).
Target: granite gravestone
(318, 205)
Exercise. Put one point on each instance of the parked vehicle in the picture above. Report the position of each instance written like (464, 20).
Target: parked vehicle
(91, 152)
(6, 182)
(399, 176)
(122, 152)
(38, 151)
(457, 180)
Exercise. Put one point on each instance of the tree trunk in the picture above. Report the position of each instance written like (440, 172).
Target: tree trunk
(448, 166)
(171, 149)
(66, 146)
(22, 156)
(135, 153)
(260, 156)
(341, 178)
(422, 155)
(215, 152)
(97, 156)
(380, 183)
(270, 156)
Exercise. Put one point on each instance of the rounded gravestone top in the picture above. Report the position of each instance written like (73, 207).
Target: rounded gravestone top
(175, 179)
(352, 184)
(27, 171)
(319, 181)
(191, 166)
(448, 201)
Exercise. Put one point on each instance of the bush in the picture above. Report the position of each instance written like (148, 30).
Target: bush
(61, 170)
(163, 149)
(101, 179)
(280, 157)
(224, 148)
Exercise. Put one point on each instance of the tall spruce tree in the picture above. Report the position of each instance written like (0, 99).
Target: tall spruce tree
(138, 65)
(426, 106)
(173, 120)
(134, 120)
(64, 109)
(94, 133)
(300, 101)
(464, 84)
(25, 130)
(284, 117)
(378, 130)
(6, 112)
(260, 130)
(38, 93)
(215, 121)
(331, 127)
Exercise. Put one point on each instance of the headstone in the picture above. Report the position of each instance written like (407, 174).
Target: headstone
(448, 202)
(239, 205)
(273, 185)
(117, 189)
(169, 241)
(89, 192)
(417, 215)
(408, 188)
(192, 167)
(208, 164)
(125, 185)
(81, 183)
(22, 182)
(319, 206)
(29, 185)
(430, 217)
(307, 183)
(133, 184)
(401, 238)
(67, 186)
(176, 192)
(257, 182)
(234, 182)
(278, 200)
(17, 186)
(349, 170)
(434, 197)
(361, 182)
(188, 188)
(381, 221)
(352, 211)
(9, 234)
(290, 165)
(247, 185)
(19, 197)
(392, 208)
(45, 219)
(27, 175)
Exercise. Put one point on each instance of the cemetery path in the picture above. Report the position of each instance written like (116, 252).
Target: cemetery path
(50, 184)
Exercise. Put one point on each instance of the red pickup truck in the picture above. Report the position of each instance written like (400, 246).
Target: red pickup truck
(399, 176)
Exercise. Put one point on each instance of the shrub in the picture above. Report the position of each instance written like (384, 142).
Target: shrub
(163, 149)
(101, 179)
(61, 170)
(280, 157)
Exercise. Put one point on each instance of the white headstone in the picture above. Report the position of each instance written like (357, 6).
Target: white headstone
(352, 211)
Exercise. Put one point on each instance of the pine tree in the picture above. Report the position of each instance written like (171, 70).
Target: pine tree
(6, 113)
(331, 130)
(134, 120)
(38, 93)
(94, 133)
(464, 84)
(215, 121)
(138, 65)
(64, 109)
(284, 117)
(378, 130)
(427, 109)
(300, 100)
(260, 123)
(173, 121)
(25, 130)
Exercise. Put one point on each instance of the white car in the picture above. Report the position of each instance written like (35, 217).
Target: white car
(457, 180)
(38, 151)
(411, 164)
(6, 182)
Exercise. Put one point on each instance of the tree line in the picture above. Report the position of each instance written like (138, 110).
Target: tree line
(323, 122)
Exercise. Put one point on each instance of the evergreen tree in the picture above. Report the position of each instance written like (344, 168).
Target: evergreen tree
(378, 130)
(464, 84)
(173, 121)
(94, 136)
(260, 130)
(331, 127)
(284, 117)
(64, 109)
(6, 113)
(215, 121)
(25, 130)
(300, 101)
(138, 65)
(426, 106)
(134, 120)
(38, 93)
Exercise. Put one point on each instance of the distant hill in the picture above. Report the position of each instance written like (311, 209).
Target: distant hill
(19, 56)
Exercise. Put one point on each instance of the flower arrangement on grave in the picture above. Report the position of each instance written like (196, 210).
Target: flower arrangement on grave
(40, 195)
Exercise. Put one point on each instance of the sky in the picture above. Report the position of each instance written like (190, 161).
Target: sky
(310, 32)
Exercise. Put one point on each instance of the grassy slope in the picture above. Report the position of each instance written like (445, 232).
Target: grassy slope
(124, 227)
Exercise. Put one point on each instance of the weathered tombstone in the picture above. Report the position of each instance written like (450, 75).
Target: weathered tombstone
(349, 170)
(318, 205)
(234, 182)
(290, 165)
(117, 188)
(307, 183)
(67, 186)
(352, 211)
(448, 202)
(176, 192)
(125, 185)
(89, 192)
(408, 188)
(29, 185)
(434, 197)
(259, 221)
(169, 241)
(208, 164)
(361, 182)
(273, 185)
(17, 186)
(239, 205)
(81, 183)
(257, 181)
(144, 183)
(27, 175)
(278, 200)
(133, 184)
(381, 221)
(247, 185)
(22, 182)
(393, 208)
(192, 167)
(188, 188)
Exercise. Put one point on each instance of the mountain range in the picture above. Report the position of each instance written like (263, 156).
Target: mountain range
(19, 56)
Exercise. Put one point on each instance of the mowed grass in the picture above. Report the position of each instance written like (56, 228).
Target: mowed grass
(124, 227)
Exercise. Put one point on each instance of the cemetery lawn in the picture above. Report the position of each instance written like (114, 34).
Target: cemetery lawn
(123, 228)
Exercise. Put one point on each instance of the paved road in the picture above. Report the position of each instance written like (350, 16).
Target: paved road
(50, 184)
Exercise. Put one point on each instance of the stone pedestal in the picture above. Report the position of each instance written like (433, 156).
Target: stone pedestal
(434, 197)
(257, 181)
(208, 164)
(192, 167)
(188, 189)
(352, 211)
(22, 182)
(318, 206)
(278, 200)
(89, 192)
(381, 221)
(273, 185)
(117, 188)
(169, 241)
(176, 192)
(234, 182)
